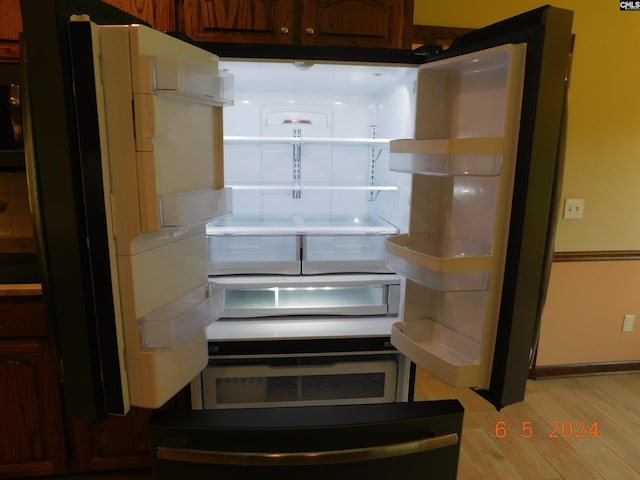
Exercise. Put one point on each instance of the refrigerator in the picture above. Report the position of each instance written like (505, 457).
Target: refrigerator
(195, 202)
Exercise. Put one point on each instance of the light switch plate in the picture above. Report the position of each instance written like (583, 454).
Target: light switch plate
(574, 208)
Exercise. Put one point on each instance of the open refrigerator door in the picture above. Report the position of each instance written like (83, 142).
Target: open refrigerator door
(463, 162)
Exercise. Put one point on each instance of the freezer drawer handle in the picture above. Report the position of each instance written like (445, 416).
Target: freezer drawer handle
(306, 458)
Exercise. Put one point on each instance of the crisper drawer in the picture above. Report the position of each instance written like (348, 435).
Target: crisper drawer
(303, 381)
(254, 254)
(268, 296)
(343, 253)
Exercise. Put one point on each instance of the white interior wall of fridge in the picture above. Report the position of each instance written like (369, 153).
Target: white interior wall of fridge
(276, 99)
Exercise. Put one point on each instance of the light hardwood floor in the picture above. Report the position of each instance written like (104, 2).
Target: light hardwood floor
(495, 444)
(613, 401)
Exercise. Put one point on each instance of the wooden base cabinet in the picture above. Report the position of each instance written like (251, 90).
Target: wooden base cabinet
(32, 440)
(37, 437)
(354, 23)
(119, 443)
(10, 28)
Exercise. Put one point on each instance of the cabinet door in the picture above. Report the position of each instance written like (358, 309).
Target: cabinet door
(22, 316)
(160, 14)
(120, 442)
(247, 21)
(363, 23)
(32, 440)
(10, 27)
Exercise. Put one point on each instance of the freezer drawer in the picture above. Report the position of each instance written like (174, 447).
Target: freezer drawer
(343, 254)
(272, 382)
(376, 442)
(254, 254)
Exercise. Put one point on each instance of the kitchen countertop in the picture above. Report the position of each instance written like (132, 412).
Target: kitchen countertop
(20, 289)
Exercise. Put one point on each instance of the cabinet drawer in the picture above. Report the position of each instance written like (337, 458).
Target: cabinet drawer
(22, 316)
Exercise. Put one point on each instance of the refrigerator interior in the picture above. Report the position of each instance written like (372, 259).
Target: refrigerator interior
(344, 115)
(313, 159)
(306, 155)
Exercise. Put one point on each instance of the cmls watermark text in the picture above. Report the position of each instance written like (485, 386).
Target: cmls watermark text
(630, 6)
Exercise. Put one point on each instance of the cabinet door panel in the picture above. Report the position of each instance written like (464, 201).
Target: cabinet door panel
(32, 440)
(366, 23)
(160, 14)
(22, 316)
(10, 27)
(120, 442)
(251, 21)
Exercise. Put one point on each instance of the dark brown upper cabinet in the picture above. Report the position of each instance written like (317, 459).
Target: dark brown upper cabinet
(361, 23)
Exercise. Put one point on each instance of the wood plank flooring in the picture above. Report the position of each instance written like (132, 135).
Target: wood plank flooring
(496, 451)
(583, 428)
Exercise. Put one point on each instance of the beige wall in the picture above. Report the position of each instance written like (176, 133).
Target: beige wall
(585, 308)
(603, 140)
(586, 303)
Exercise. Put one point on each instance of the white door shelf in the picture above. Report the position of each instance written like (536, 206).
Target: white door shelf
(406, 256)
(443, 352)
(183, 317)
(194, 207)
(473, 156)
(193, 80)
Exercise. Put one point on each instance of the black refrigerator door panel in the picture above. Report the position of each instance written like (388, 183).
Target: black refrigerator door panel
(66, 195)
(411, 441)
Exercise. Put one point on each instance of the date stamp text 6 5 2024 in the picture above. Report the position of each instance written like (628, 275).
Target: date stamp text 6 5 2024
(556, 429)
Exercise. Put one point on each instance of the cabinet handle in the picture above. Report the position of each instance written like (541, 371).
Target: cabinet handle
(284, 30)
(310, 30)
(306, 458)
(20, 363)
